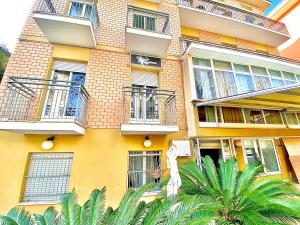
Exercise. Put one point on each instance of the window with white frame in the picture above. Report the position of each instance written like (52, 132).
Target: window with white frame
(216, 79)
(80, 9)
(144, 167)
(47, 177)
(212, 114)
(262, 152)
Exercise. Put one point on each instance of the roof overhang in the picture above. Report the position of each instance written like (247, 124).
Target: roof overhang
(261, 4)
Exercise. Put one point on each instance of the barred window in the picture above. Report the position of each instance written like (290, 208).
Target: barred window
(144, 168)
(47, 176)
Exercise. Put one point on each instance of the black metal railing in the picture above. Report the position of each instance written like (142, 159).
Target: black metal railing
(235, 13)
(186, 42)
(148, 105)
(81, 10)
(149, 20)
(36, 99)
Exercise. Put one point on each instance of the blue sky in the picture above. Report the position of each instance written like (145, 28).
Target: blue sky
(274, 4)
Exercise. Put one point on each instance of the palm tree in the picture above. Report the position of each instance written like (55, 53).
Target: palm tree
(234, 197)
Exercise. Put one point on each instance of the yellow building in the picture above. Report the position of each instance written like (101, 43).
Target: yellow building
(96, 91)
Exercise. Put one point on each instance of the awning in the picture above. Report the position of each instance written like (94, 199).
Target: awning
(286, 97)
(292, 146)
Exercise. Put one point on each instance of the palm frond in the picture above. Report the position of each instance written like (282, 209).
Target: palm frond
(71, 211)
(20, 215)
(5, 220)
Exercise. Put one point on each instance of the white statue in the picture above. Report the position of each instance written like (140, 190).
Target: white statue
(175, 181)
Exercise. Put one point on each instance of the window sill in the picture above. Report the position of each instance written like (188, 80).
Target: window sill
(39, 203)
(240, 125)
(152, 193)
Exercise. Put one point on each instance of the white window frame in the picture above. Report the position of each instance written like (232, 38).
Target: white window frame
(83, 9)
(258, 149)
(145, 21)
(144, 156)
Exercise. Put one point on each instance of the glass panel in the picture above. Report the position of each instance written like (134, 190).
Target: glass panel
(298, 77)
(251, 151)
(288, 76)
(76, 9)
(135, 170)
(272, 117)
(245, 83)
(206, 114)
(277, 83)
(291, 118)
(205, 87)
(259, 70)
(253, 116)
(262, 82)
(222, 65)
(290, 82)
(226, 83)
(88, 11)
(268, 152)
(153, 168)
(226, 149)
(150, 23)
(275, 73)
(138, 21)
(241, 69)
(201, 62)
(232, 115)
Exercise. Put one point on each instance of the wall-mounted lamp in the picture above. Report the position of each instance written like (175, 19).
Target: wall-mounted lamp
(48, 144)
(147, 142)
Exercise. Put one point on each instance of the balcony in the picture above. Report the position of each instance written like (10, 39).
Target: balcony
(148, 111)
(147, 32)
(227, 20)
(77, 27)
(40, 106)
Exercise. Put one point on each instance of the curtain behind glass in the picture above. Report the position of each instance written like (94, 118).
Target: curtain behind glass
(244, 83)
(226, 83)
(204, 82)
(291, 118)
(254, 116)
(206, 114)
(232, 115)
(76, 9)
(269, 155)
(135, 170)
(153, 167)
(272, 117)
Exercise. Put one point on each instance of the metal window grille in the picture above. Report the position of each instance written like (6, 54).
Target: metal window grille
(144, 168)
(47, 177)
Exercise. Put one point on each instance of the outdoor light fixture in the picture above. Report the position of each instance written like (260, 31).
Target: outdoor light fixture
(147, 142)
(48, 144)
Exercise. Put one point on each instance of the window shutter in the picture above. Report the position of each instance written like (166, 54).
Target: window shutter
(144, 78)
(70, 66)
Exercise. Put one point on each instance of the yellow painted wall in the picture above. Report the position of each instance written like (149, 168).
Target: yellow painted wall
(189, 32)
(144, 4)
(100, 159)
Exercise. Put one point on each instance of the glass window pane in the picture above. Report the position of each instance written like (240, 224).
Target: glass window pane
(226, 149)
(277, 83)
(291, 118)
(204, 82)
(288, 76)
(272, 117)
(262, 82)
(150, 23)
(206, 114)
(290, 82)
(275, 73)
(138, 21)
(252, 153)
(259, 70)
(226, 83)
(241, 68)
(254, 116)
(268, 152)
(201, 62)
(76, 9)
(222, 65)
(245, 83)
(298, 77)
(232, 115)
(88, 11)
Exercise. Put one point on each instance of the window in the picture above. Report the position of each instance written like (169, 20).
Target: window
(207, 114)
(225, 78)
(144, 22)
(232, 115)
(261, 78)
(291, 118)
(272, 117)
(262, 152)
(80, 9)
(254, 116)
(290, 78)
(276, 78)
(47, 177)
(244, 78)
(144, 168)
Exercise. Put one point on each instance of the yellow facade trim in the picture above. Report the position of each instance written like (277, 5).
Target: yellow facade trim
(189, 32)
(145, 5)
(71, 53)
(111, 48)
(33, 38)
